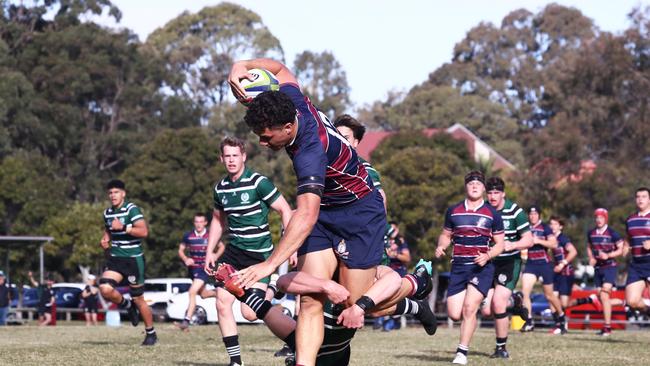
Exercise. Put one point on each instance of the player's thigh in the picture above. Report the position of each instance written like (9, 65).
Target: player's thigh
(606, 289)
(634, 291)
(455, 305)
(357, 281)
(320, 264)
(472, 301)
(197, 285)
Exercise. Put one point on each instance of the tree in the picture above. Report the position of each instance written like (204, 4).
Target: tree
(323, 79)
(200, 48)
(77, 230)
(172, 180)
(421, 178)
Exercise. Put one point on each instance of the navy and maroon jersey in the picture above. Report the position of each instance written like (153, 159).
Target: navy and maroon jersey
(539, 253)
(321, 156)
(197, 243)
(638, 231)
(604, 241)
(560, 253)
(472, 230)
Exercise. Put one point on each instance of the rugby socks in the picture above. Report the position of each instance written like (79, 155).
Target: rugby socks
(501, 342)
(150, 330)
(260, 306)
(232, 347)
(125, 303)
(406, 306)
(290, 341)
(187, 319)
(415, 283)
(462, 349)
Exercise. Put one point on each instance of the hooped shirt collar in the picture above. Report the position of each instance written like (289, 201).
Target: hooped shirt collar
(477, 207)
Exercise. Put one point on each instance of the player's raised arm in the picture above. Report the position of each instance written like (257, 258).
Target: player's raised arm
(240, 69)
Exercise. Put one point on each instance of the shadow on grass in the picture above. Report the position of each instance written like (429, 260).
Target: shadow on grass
(609, 340)
(102, 343)
(437, 356)
(190, 363)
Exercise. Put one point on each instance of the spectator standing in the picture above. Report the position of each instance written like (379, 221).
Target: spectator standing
(45, 299)
(5, 297)
(90, 297)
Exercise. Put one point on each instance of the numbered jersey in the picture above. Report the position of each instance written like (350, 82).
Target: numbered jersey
(246, 203)
(123, 244)
(322, 157)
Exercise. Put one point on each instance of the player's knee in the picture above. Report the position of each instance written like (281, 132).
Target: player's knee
(469, 310)
(455, 315)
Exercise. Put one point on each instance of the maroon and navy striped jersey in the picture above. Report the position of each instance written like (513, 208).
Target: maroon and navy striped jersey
(638, 231)
(472, 230)
(197, 244)
(603, 241)
(560, 253)
(539, 253)
(322, 156)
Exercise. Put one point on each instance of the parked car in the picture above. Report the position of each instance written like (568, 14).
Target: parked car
(158, 291)
(206, 309)
(68, 295)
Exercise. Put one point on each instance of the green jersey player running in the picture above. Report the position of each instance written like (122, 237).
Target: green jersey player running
(241, 206)
(507, 264)
(124, 229)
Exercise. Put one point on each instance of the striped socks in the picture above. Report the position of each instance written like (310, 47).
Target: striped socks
(462, 349)
(232, 347)
(406, 306)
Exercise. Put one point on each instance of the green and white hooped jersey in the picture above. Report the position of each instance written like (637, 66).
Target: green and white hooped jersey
(372, 172)
(246, 204)
(123, 244)
(515, 224)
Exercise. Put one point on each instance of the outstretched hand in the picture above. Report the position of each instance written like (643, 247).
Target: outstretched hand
(249, 276)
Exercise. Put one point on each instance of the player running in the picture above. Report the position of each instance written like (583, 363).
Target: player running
(196, 241)
(507, 265)
(537, 266)
(604, 244)
(241, 207)
(124, 230)
(471, 225)
(338, 214)
(563, 269)
(638, 234)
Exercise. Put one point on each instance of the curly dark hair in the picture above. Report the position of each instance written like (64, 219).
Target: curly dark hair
(268, 110)
(346, 120)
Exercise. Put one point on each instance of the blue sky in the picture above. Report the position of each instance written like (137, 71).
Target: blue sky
(382, 45)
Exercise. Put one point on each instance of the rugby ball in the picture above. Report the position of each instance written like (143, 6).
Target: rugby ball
(263, 80)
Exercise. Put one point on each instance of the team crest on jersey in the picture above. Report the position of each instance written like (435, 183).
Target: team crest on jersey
(506, 224)
(502, 278)
(131, 279)
(224, 201)
(474, 281)
(341, 249)
(244, 197)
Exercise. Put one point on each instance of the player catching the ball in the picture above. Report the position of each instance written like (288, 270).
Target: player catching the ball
(339, 213)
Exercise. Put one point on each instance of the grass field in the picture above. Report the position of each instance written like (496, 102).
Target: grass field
(78, 345)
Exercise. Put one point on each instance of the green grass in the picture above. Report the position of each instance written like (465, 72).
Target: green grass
(78, 345)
